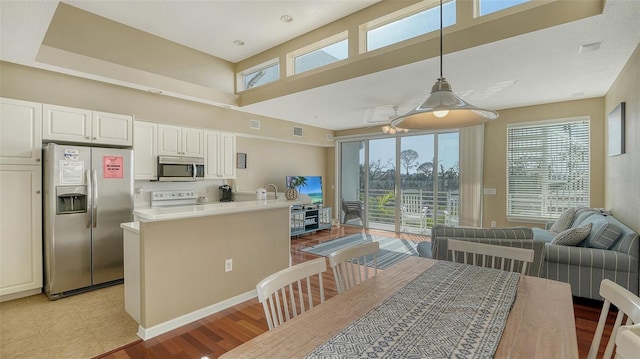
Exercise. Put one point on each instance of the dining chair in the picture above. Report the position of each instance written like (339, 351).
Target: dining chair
(491, 256)
(628, 305)
(348, 264)
(628, 342)
(412, 210)
(283, 293)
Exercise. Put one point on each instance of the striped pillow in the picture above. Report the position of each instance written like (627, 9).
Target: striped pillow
(572, 236)
(603, 235)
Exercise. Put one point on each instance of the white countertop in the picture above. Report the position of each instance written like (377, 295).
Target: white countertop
(155, 214)
(131, 226)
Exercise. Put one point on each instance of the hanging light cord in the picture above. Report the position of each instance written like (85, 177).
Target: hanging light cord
(440, 38)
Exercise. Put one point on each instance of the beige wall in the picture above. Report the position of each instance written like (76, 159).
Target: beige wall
(182, 262)
(495, 145)
(622, 175)
(272, 151)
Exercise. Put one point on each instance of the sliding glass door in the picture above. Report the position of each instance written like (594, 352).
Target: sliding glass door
(403, 184)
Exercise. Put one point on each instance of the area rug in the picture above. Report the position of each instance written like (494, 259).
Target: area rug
(392, 250)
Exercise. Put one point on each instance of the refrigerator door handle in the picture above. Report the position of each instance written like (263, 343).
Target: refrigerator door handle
(194, 171)
(90, 196)
(95, 198)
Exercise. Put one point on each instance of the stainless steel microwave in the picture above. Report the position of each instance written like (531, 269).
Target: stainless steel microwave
(180, 169)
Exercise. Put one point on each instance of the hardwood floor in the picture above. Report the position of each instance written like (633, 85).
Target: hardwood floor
(214, 335)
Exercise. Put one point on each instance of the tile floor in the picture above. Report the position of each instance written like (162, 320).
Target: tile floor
(80, 326)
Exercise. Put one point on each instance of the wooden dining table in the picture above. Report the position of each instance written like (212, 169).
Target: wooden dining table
(540, 324)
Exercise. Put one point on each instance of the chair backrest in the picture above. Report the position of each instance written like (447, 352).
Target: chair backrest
(628, 305)
(412, 201)
(283, 293)
(628, 342)
(487, 255)
(350, 264)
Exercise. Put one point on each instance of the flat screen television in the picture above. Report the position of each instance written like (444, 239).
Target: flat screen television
(307, 185)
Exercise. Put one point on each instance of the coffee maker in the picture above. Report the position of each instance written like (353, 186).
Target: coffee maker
(225, 193)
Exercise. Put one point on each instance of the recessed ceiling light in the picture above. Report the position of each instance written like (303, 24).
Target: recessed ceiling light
(238, 42)
(590, 47)
(286, 18)
(156, 91)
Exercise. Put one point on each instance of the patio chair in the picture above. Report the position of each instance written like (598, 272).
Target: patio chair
(352, 210)
(412, 210)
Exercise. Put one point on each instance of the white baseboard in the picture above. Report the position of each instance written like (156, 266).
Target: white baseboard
(148, 333)
(26, 293)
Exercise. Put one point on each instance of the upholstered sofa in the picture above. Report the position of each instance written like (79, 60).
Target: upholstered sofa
(583, 265)
(610, 250)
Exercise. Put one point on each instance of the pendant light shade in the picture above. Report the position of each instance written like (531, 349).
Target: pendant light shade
(443, 108)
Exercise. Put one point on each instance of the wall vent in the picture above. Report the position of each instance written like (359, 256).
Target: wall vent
(329, 137)
(297, 131)
(254, 124)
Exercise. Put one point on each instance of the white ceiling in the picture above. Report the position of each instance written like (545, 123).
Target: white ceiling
(540, 67)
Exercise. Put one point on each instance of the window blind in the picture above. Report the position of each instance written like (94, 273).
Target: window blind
(547, 168)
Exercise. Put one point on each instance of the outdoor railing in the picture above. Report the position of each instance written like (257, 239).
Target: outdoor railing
(381, 207)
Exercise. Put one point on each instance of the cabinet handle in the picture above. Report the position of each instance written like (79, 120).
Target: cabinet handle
(87, 137)
(95, 138)
(37, 160)
(38, 191)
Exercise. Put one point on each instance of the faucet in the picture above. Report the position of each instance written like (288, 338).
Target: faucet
(275, 189)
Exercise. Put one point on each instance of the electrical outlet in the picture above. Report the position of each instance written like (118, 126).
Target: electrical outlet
(228, 265)
(493, 224)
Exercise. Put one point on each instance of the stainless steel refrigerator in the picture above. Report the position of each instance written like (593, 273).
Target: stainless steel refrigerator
(88, 192)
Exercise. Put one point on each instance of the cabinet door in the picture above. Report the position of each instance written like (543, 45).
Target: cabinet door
(169, 140)
(111, 129)
(192, 142)
(20, 228)
(66, 124)
(145, 151)
(227, 155)
(20, 132)
(212, 154)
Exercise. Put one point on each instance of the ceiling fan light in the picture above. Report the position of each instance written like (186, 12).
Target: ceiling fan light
(386, 128)
(440, 114)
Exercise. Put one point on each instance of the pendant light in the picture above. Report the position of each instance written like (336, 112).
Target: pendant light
(443, 109)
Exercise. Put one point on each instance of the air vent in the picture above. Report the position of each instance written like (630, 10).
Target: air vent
(254, 124)
(329, 137)
(297, 131)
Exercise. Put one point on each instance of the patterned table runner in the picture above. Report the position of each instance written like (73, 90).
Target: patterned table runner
(451, 310)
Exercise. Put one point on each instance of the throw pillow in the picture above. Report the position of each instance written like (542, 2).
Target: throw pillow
(603, 235)
(564, 221)
(572, 236)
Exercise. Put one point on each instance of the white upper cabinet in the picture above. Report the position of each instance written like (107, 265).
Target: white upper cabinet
(180, 141)
(145, 150)
(20, 132)
(220, 155)
(68, 124)
(111, 129)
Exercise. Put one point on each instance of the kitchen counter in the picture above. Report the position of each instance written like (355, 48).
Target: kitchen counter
(155, 214)
(184, 263)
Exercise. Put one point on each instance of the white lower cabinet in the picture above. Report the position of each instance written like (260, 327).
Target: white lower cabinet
(220, 155)
(20, 231)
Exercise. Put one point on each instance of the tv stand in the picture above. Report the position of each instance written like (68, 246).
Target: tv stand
(309, 219)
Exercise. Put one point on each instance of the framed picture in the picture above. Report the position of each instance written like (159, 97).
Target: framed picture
(616, 130)
(241, 160)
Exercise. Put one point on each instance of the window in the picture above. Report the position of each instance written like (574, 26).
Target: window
(321, 57)
(547, 168)
(411, 26)
(261, 75)
(490, 6)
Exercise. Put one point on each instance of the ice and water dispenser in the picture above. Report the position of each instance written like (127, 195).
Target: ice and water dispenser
(71, 199)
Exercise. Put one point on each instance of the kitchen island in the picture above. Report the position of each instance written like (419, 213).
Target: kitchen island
(177, 259)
